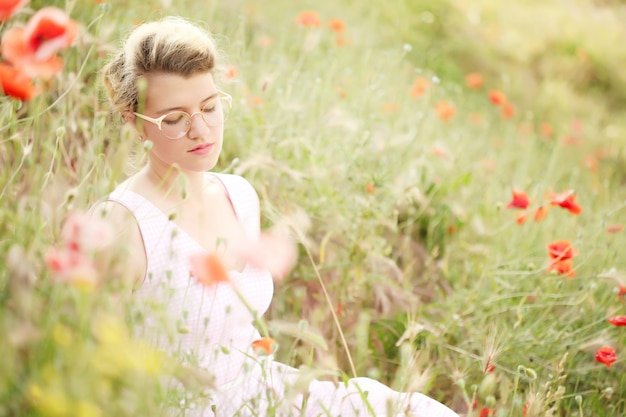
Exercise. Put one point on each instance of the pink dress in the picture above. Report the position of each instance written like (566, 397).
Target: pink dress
(213, 329)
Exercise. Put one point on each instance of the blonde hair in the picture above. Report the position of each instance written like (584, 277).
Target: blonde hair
(171, 45)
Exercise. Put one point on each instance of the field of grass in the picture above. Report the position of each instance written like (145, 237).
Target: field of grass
(368, 142)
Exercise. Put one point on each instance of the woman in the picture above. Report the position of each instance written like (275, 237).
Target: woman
(162, 83)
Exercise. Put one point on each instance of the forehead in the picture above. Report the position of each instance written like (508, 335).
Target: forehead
(173, 90)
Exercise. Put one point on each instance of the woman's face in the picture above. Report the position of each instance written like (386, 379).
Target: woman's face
(200, 147)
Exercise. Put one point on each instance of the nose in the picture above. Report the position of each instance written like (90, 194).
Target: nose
(198, 127)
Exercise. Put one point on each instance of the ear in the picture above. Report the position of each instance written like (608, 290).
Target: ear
(128, 116)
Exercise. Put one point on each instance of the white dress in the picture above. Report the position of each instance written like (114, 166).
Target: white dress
(213, 329)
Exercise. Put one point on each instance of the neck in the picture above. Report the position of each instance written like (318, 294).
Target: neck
(174, 183)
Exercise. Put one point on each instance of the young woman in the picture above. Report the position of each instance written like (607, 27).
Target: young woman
(162, 83)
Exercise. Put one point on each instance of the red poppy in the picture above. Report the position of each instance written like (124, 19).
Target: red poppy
(567, 200)
(621, 292)
(546, 130)
(486, 412)
(16, 84)
(336, 25)
(264, 345)
(562, 267)
(508, 110)
(370, 188)
(9, 7)
(474, 80)
(208, 269)
(618, 320)
(520, 217)
(616, 228)
(419, 87)
(606, 355)
(309, 19)
(540, 213)
(445, 110)
(520, 200)
(33, 47)
(561, 250)
(497, 97)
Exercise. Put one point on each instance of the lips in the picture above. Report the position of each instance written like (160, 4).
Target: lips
(201, 149)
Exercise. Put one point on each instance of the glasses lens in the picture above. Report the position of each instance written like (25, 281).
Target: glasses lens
(215, 112)
(176, 124)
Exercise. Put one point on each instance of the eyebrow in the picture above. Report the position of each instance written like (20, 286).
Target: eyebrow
(169, 109)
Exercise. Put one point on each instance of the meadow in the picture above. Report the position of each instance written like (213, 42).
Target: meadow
(452, 171)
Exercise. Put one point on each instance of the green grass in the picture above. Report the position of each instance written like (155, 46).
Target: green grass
(342, 155)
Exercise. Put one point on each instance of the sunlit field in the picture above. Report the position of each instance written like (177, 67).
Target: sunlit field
(452, 171)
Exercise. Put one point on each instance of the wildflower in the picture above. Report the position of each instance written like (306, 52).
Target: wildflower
(341, 40)
(590, 162)
(73, 267)
(567, 200)
(264, 345)
(309, 19)
(546, 130)
(606, 355)
(33, 48)
(264, 41)
(9, 7)
(208, 269)
(486, 412)
(618, 320)
(561, 250)
(474, 80)
(540, 213)
(419, 87)
(520, 217)
(370, 188)
(84, 233)
(562, 267)
(337, 25)
(440, 151)
(616, 228)
(445, 110)
(16, 84)
(230, 73)
(508, 110)
(519, 201)
(497, 97)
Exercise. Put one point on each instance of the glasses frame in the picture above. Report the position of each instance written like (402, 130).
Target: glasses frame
(159, 120)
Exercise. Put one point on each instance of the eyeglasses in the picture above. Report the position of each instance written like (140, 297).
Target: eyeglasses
(176, 124)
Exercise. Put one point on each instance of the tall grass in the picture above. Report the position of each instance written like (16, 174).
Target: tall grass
(400, 214)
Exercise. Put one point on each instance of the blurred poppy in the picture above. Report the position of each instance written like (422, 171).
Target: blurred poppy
(561, 250)
(606, 355)
(540, 213)
(208, 269)
(16, 84)
(445, 110)
(230, 73)
(508, 110)
(621, 292)
(616, 228)
(309, 19)
(562, 267)
(9, 7)
(72, 266)
(419, 87)
(590, 162)
(370, 188)
(497, 97)
(264, 345)
(546, 130)
(264, 41)
(33, 47)
(336, 25)
(567, 200)
(520, 217)
(486, 412)
(618, 320)
(272, 252)
(519, 201)
(474, 80)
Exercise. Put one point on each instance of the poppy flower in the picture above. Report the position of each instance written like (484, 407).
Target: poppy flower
(208, 269)
(264, 345)
(519, 201)
(16, 84)
(370, 188)
(621, 292)
(33, 47)
(486, 412)
(337, 25)
(567, 200)
(474, 80)
(497, 97)
(562, 267)
(546, 130)
(616, 228)
(445, 111)
(540, 213)
(618, 320)
(308, 19)
(561, 250)
(71, 266)
(9, 7)
(508, 110)
(520, 217)
(606, 355)
(419, 87)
